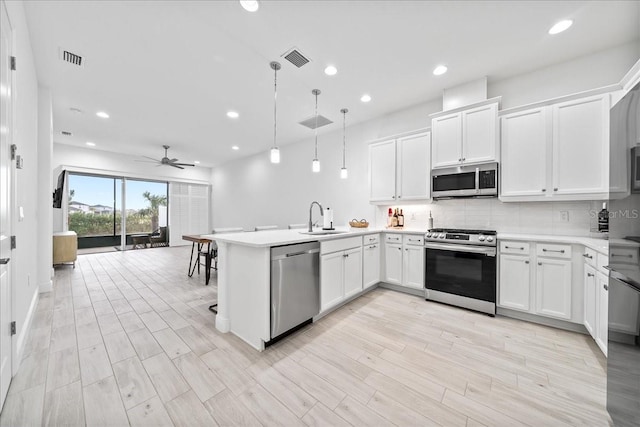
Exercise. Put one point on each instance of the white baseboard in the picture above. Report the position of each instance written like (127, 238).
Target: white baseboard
(46, 286)
(21, 339)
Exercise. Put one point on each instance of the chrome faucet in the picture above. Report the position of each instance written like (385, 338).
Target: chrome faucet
(310, 214)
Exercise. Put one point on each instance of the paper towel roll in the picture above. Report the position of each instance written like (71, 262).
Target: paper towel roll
(327, 222)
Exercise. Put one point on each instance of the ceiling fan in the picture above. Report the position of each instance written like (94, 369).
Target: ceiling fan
(166, 160)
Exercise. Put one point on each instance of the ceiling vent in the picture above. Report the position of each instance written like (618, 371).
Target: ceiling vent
(66, 133)
(71, 58)
(296, 57)
(311, 122)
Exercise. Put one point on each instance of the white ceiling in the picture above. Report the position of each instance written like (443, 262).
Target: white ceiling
(168, 71)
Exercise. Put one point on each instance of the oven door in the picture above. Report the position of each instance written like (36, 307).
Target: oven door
(464, 270)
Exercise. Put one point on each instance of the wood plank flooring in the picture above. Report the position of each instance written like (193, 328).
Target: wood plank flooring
(126, 338)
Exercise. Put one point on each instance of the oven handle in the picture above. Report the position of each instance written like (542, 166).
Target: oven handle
(488, 251)
(477, 180)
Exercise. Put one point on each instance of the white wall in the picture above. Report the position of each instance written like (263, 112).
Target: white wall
(44, 244)
(251, 191)
(25, 136)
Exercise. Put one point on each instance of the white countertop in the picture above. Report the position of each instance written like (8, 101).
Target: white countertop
(271, 238)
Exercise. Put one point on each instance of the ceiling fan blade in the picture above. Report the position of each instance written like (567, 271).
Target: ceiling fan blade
(183, 164)
(173, 160)
(147, 161)
(151, 158)
(175, 165)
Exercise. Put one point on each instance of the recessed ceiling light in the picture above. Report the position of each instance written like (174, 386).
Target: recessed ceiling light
(250, 5)
(330, 70)
(561, 26)
(235, 147)
(102, 114)
(90, 144)
(233, 114)
(197, 162)
(365, 98)
(440, 70)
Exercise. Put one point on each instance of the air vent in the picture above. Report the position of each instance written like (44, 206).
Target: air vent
(66, 133)
(71, 58)
(294, 56)
(311, 122)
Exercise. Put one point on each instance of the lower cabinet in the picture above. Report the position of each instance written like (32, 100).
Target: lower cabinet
(553, 288)
(413, 266)
(352, 264)
(602, 315)
(515, 281)
(404, 260)
(340, 276)
(370, 264)
(590, 300)
(393, 263)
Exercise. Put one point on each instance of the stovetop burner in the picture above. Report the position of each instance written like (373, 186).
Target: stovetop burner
(463, 231)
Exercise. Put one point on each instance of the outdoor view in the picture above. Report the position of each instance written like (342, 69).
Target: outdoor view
(95, 205)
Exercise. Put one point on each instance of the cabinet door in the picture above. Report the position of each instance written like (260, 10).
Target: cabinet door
(624, 309)
(413, 267)
(602, 329)
(590, 299)
(553, 288)
(515, 282)
(331, 280)
(382, 171)
(370, 265)
(352, 271)
(414, 167)
(581, 146)
(479, 134)
(525, 139)
(393, 263)
(446, 149)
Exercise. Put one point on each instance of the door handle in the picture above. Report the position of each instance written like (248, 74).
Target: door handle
(590, 274)
(4, 261)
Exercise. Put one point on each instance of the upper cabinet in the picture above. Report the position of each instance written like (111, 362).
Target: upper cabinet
(399, 169)
(556, 152)
(465, 136)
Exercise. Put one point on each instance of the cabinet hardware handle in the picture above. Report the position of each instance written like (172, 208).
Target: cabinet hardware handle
(526, 262)
(555, 189)
(394, 238)
(539, 263)
(463, 159)
(400, 197)
(346, 255)
(514, 247)
(590, 274)
(553, 250)
(4, 261)
(606, 287)
(587, 256)
(623, 256)
(399, 249)
(460, 159)
(544, 190)
(393, 197)
(371, 239)
(372, 246)
(414, 240)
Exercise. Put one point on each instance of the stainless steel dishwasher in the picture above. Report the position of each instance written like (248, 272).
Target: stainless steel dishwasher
(295, 286)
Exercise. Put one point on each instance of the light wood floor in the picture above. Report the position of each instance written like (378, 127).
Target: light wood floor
(126, 338)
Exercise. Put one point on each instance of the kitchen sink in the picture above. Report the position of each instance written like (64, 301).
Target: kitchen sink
(322, 232)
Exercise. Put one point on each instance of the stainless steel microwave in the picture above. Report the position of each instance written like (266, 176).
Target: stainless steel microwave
(465, 181)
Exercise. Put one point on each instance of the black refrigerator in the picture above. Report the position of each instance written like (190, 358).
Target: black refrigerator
(623, 361)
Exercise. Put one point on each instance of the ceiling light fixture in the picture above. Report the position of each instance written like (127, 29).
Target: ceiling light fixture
(330, 70)
(196, 162)
(365, 98)
(275, 151)
(90, 144)
(233, 114)
(440, 70)
(315, 165)
(235, 147)
(344, 174)
(250, 5)
(560, 26)
(102, 115)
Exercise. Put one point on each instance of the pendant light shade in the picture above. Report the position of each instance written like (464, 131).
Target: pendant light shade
(315, 165)
(275, 151)
(344, 174)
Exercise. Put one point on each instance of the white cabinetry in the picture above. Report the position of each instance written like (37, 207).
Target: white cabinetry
(515, 281)
(572, 137)
(393, 259)
(465, 136)
(370, 260)
(404, 260)
(590, 299)
(340, 270)
(602, 318)
(553, 280)
(399, 169)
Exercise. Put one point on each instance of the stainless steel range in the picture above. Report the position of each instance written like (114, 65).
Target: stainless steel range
(461, 268)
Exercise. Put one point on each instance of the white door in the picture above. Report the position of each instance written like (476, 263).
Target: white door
(5, 209)
(581, 146)
(479, 134)
(525, 139)
(414, 167)
(413, 267)
(331, 280)
(553, 288)
(382, 171)
(370, 265)
(446, 132)
(393, 263)
(515, 282)
(602, 335)
(590, 299)
(352, 271)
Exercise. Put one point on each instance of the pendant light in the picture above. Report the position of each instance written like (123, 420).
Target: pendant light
(275, 151)
(343, 172)
(315, 165)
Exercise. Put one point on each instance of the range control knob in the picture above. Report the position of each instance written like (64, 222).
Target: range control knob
(428, 235)
(442, 235)
(489, 239)
(481, 238)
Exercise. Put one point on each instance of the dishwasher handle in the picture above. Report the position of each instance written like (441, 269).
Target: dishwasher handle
(295, 254)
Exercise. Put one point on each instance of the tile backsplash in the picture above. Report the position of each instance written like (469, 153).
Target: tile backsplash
(566, 218)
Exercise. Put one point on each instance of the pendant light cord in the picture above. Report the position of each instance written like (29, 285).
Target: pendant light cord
(316, 92)
(275, 104)
(344, 137)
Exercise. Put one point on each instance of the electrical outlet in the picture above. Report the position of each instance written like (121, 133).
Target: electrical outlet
(564, 216)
